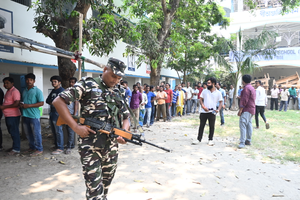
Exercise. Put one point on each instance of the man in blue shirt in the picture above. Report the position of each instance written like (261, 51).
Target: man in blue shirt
(174, 100)
(57, 131)
(128, 92)
(218, 86)
(150, 96)
(239, 95)
(32, 99)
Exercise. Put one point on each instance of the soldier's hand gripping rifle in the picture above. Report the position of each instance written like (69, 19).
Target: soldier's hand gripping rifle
(106, 128)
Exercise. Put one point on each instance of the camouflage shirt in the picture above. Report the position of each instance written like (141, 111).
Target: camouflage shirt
(94, 102)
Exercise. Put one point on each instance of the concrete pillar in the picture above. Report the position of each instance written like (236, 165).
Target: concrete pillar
(89, 74)
(137, 80)
(240, 5)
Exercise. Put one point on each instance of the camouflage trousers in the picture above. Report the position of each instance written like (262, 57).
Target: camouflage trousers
(99, 155)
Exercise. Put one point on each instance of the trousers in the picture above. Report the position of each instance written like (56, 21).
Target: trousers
(211, 120)
(245, 127)
(274, 101)
(259, 110)
(98, 156)
(161, 109)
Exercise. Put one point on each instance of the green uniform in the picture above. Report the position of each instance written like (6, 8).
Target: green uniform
(98, 152)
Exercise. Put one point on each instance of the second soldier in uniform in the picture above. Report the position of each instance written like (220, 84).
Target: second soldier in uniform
(104, 100)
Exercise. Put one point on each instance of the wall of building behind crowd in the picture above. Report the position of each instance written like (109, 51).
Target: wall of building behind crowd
(16, 63)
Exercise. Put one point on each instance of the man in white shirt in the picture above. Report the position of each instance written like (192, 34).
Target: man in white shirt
(274, 97)
(284, 98)
(209, 99)
(230, 94)
(261, 101)
(189, 95)
(195, 99)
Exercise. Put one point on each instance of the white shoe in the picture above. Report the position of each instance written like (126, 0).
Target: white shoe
(210, 143)
(195, 142)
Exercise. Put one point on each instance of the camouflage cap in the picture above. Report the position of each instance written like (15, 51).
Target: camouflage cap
(117, 66)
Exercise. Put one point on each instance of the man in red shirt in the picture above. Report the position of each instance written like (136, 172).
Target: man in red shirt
(10, 109)
(168, 101)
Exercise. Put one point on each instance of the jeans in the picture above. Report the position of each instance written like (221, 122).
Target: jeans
(168, 111)
(153, 113)
(1, 114)
(161, 109)
(259, 110)
(188, 106)
(294, 99)
(194, 105)
(245, 127)
(211, 120)
(281, 105)
(71, 137)
(147, 116)
(12, 124)
(57, 131)
(230, 102)
(32, 129)
(274, 101)
(173, 109)
(298, 104)
(221, 115)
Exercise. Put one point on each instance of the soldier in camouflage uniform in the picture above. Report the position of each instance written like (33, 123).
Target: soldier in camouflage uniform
(104, 100)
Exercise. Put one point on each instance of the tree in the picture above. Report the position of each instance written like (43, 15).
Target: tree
(244, 54)
(159, 22)
(58, 20)
(191, 60)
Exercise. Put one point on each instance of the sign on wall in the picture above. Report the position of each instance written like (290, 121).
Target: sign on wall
(131, 63)
(6, 24)
(148, 69)
(291, 53)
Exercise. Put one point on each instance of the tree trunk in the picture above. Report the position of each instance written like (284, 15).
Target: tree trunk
(184, 76)
(155, 74)
(66, 69)
(236, 79)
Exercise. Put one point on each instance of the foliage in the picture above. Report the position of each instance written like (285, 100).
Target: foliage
(166, 27)
(244, 53)
(59, 18)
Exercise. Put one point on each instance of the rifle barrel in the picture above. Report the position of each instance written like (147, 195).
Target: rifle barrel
(144, 141)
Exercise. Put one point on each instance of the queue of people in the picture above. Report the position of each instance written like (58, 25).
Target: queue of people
(13, 105)
(148, 104)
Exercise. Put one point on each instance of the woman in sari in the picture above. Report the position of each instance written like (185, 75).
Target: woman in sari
(180, 101)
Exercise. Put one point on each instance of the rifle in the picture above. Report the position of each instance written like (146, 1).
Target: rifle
(104, 127)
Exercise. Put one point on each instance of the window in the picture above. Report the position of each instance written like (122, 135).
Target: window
(23, 2)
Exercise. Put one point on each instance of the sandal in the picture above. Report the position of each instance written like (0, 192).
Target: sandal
(68, 151)
(13, 152)
(29, 151)
(36, 153)
(57, 152)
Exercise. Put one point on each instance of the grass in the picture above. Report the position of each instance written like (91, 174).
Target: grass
(281, 141)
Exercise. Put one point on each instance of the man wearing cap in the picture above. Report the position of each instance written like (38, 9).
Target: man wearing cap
(103, 100)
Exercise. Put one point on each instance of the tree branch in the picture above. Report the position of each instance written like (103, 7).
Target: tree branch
(164, 6)
(175, 5)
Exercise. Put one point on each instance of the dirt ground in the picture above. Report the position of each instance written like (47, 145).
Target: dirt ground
(189, 172)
